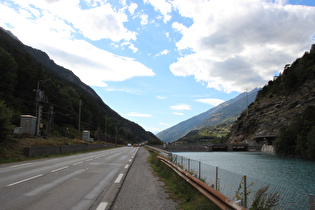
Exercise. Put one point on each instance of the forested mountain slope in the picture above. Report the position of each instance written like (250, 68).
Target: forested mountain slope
(23, 69)
(285, 108)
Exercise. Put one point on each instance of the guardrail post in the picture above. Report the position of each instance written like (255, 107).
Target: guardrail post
(199, 169)
(312, 204)
(245, 192)
(216, 178)
(188, 164)
(181, 162)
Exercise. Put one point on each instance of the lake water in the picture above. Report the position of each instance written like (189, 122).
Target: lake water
(293, 178)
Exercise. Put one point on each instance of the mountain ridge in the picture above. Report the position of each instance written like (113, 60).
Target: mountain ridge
(204, 119)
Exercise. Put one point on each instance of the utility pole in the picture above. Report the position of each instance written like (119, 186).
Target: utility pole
(79, 124)
(49, 128)
(40, 100)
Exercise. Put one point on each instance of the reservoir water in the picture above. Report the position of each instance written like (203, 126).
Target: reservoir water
(292, 178)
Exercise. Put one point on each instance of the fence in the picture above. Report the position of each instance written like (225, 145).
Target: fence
(228, 183)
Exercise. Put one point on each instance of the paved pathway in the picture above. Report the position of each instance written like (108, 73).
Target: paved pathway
(141, 189)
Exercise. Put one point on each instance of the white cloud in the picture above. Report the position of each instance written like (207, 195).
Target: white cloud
(210, 101)
(136, 114)
(54, 36)
(178, 113)
(239, 44)
(132, 8)
(144, 19)
(163, 6)
(130, 46)
(161, 97)
(164, 52)
(179, 27)
(95, 23)
(181, 107)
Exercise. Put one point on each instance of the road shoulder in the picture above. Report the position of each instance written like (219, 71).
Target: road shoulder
(141, 188)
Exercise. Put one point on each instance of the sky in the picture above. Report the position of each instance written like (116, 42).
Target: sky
(160, 62)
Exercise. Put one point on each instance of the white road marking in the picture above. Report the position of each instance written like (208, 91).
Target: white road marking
(102, 206)
(74, 164)
(120, 176)
(89, 160)
(24, 180)
(20, 165)
(59, 169)
(54, 183)
(130, 160)
(127, 166)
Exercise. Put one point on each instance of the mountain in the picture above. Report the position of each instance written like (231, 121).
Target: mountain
(226, 112)
(24, 69)
(284, 108)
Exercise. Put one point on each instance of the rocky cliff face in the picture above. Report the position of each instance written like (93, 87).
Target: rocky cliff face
(280, 104)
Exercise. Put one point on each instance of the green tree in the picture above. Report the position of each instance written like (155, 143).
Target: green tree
(5, 122)
(8, 70)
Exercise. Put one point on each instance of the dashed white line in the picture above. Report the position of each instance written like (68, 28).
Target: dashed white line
(20, 165)
(89, 160)
(130, 160)
(24, 180)
(120, 176)
(59, 169)
(102, 206)
(74, 164)
(127, 166)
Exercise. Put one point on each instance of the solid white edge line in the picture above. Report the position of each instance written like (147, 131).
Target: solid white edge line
(58, 169)
(24, 180)
(120, 176)
(102, 206)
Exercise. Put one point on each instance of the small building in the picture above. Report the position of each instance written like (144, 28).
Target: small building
(28, 124)
(86, 136)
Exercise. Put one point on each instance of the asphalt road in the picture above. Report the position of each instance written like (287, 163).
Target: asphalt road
(82, 181)
(142, 189)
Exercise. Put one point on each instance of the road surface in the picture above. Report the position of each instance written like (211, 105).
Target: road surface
(82, 181)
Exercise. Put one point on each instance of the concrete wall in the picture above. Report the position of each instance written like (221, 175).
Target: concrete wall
(184, 148)
(268, 148)
(64, 149)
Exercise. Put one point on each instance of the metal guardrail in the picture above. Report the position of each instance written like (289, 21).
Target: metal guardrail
(215, 196)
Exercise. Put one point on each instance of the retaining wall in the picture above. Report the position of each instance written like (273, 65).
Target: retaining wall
(63, 149)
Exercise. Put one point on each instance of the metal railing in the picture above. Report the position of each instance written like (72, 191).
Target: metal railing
(228, 183)
(215, 196)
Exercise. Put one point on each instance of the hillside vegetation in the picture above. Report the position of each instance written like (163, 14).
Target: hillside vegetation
(24, 69)
(284, 107)
(207, 135)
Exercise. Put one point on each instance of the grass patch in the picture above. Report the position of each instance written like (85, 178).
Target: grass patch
(186, 195)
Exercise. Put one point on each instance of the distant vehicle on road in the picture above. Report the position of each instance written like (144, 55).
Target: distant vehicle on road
(129, 145)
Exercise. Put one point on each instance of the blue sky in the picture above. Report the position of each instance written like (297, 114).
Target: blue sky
(159, 62)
